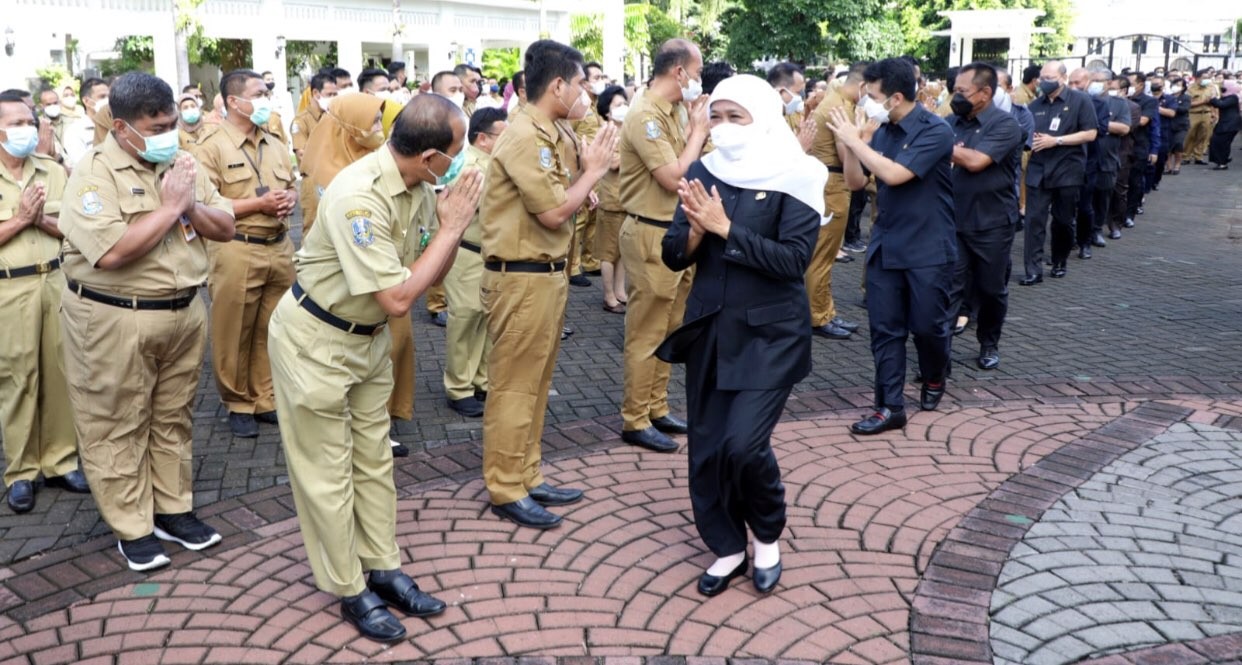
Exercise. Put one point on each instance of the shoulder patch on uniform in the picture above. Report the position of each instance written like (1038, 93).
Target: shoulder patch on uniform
(364, 234)
(545, 157)
(653, 129)
(92, 204)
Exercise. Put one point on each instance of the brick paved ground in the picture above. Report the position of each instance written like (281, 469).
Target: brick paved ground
(1141, 338)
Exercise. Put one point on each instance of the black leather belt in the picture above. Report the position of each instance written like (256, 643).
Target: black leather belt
(836, 169)
(259, 240)
(41, 268)
(305, 302)
(653, 222)
(132, 302)
(524, 266)
(471, 246)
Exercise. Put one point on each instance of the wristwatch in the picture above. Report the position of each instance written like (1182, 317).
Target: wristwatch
(1059, 140)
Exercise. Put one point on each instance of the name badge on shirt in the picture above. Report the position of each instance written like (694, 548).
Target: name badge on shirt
(1055, 125)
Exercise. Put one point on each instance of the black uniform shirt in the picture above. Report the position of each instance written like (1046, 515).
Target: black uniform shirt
(987, 199)
(1063, 165)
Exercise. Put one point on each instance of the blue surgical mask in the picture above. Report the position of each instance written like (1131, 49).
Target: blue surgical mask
(262, 110)
(191, 115)
(454, 168)
(21, 141)
(160, 148)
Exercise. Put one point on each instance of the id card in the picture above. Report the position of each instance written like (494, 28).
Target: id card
(261, 190)
(1056, 124)
(187, 229)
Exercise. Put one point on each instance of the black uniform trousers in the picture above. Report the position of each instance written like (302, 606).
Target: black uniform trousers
(1101, 200)
(1086, 211)
(1121, 192)
(1062, 203)
(735, 481)
(853, 224)
(1137, 188)
(903, 302)
(1218, 147)
(981, 276)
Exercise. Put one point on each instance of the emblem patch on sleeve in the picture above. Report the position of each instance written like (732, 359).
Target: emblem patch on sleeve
(545, 157)
(361, 227)
(653, 130)
(92, 204)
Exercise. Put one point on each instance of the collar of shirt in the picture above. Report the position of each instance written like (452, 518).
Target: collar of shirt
(29, 166)
(237, 138)
(543, 124)
(476, 157)
(118, 159)
(390, 175)
(914, 121)
(663, 105)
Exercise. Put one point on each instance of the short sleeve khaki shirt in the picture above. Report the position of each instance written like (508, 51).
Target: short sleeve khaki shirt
(476, 159)
(239, 164)
(651, 136)
(31, 245)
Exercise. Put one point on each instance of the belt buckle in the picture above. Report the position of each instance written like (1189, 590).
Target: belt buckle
(43, 267)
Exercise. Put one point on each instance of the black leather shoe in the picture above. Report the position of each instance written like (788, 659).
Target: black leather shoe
(593, 273)
(989, 358)
(765, 579)
(670, 424)
(844, 258)
(267, 418)
(527, 512)
(1098, 240)
(1200, 162)
(21, 496)
(832, 331)
(566, 332)
(651, 439)
(74, 481)
(439, 318)
(1058, 271)
(480, 395)
(842, 323)
(397, 590)
(579, 280)
(959, 329)
(547, 495)
(1031, 280)
(930, 395)
(710, 585)
(1084, 252)
(880, 421)
(469, 407)
(367, 613)
(243, 425)
(1129, 223)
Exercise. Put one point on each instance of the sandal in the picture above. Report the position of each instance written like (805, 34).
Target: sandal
(615, 309)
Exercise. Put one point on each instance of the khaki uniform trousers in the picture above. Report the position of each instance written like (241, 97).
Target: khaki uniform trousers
(525, 312)
(401, 402)
(308, 198)
(1198, 136)
(581, 250)
(657, 302)
(331, 387)
(245, 283)
(35, 418)
(467, 344)
(436, 300)
(132, 377)
(827, 246)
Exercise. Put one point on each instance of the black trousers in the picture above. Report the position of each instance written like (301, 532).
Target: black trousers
(900, 303)
(853, 226)
(1218, 147)
(1162, 160)
(1121, 192)
(1062, 203)
(1138, 176)
(982, 274)
(735, 481)
(1085, 217)
(1101, 200)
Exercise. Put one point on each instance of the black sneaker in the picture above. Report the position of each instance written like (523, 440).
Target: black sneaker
(186, 530)
(145, 553)
(398, 449)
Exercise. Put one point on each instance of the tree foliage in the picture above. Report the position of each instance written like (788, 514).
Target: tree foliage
(803, 30)
(135, 53)
(501, 63)
(919, 19)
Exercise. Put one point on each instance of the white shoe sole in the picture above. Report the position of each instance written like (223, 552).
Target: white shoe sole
(159, 561)
(164, 535)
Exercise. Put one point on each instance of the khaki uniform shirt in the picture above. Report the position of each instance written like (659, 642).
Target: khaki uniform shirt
(239, 164)
(1022, 96)
(824, 147)
(652, 136)
(303, 124)
(609, 188)
(1199, 93)
(588, 127)
(107, 192)
(31, 246)
(276, 128)
(368, 229)
(795, 121)
(476, 159)
(528, 175)
(191, 137)
(469, 106)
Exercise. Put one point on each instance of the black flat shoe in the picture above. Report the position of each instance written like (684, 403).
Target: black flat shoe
(528, 513)
(469, 407)
(765, 579)
(832, 331)
(547, 495)
(243, 425)
(1031, 280)
(1058, 271)
(579, 280)
(710, 585)
(21, 496)
(1084, 252)
(845, 258)
(670, 424)
(74, 481)
(930, 395)
(651, 439)
(989, 359)
(848, 325)
(1098, 240)
(959, 329)
(267, 418)
(1115, 234)
(1129, 223)
(397, 590)
(439, 318)
(367, 613)
(880, 421)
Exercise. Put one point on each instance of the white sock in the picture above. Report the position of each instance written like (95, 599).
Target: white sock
(767, 554)
(726, 564)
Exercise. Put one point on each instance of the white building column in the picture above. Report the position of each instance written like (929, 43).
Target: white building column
(967, 52)
(164, 47)
(349, 55)
(614, 39)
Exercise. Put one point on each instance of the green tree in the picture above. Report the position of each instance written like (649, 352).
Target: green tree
(136, 53)
(501, 63)
(798, 30)
(918, 20)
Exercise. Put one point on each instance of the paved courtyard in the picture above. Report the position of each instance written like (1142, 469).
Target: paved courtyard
(1080, 504)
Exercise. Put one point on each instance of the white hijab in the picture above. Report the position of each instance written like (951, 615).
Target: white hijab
(771, 158)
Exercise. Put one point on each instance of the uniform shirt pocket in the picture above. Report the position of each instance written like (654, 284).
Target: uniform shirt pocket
(767, 314)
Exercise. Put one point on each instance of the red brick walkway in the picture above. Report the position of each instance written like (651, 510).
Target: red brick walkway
(618, 578)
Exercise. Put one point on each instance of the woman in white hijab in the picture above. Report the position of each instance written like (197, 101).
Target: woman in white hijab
(749, 218)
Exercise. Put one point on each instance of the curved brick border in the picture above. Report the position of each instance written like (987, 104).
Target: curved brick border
(1209, 650)
(950, 612)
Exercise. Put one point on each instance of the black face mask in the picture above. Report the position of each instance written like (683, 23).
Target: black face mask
(270, 86)
(1157, 89)
(1049, 87)
(960, 105)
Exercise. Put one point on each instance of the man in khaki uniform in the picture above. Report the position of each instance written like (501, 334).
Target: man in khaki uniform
(190, 124)
(136, 217)
(469, 78)
(466, 343)
(787, 79)
(446, 84)
(1201, 92)
(655, 153)
(54, 113)
(323, 89)
(35, 419)
(824, 319)
(532, 194)
(248, 276)
(371, 256)
(580, 258)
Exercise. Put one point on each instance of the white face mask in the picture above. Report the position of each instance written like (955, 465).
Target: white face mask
(1095, 88)
(458, 98)
(693, 90)
(1177, 90)
(794, 106)
(1205, 82)
(1114, 93)
(52, 111)
(1002, 101)
(598, 87)
(324, 102)
(730, 140)
(618, 113)
(874, 110)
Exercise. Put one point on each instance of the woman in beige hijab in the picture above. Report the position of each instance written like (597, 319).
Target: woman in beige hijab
(350, 130)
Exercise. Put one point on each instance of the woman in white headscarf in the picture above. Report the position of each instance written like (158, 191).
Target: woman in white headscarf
(749, 217)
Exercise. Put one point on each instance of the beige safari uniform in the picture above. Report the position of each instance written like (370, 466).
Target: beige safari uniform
(467, 345)
(581, 255)
(609, 216)
(836, 204)
(303, 124)
(651, 137)
(248, 275)
(529, 174)
(1201, 121)
(36, 421)
(331, 385)
(132, 373)
(190, 138)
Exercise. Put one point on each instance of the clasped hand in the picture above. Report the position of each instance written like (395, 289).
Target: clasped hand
(704, 211)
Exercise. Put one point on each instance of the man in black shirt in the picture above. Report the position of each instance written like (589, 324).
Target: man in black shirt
(1144, 155)
(1079, 80)
(1109, 144)
(987, 156)
(1065, 120)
